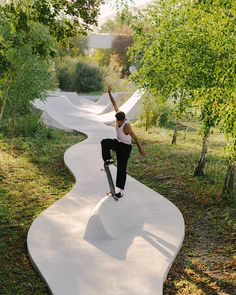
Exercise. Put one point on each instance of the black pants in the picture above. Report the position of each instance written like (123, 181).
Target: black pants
(122, 155)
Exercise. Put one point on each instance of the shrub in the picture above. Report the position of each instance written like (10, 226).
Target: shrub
(27, 126)
(156, 112)
(102, 56)
(66, 73)
(111, 76)
(88, 78)
(79, 76)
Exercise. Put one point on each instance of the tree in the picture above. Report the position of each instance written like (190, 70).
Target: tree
(125, 12)
(26, 68)
(189, 46)
(57, 19)
(22, 52)
(183, 107)
(77, 45)
(229, 129)
(102, 56)
(120, 27)
(25, 56)
(120, 46)
(63, 18)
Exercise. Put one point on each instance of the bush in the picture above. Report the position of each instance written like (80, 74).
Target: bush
(88, 78)
(66, 72)
(102, 56)
(156, 112)
(165, 114)
(79, 76)
(26, 126)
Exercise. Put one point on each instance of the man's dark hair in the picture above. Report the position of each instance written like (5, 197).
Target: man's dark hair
(120, 116)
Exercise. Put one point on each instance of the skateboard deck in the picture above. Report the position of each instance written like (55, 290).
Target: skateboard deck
(110, 182)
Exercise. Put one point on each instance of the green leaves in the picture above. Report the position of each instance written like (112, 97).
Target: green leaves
(187, 48)
(78, 75)
(64, 18)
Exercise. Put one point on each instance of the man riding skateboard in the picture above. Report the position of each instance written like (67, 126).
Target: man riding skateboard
(121, 145)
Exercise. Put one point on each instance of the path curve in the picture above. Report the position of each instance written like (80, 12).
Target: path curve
(88, 244)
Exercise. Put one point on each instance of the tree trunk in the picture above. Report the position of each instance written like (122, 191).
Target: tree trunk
(4, 101)
(185, 133)
(228, 188)
(3, 107)
(199, 170)
(174, 138)
(12, 128)
(146, 121)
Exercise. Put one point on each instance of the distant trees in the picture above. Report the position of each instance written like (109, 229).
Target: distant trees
(189, 47)
(34, 27)
(30, 34)
(120, 47)
(117, 56)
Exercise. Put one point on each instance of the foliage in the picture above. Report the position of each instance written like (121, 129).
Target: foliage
(28, 125)
(29, 77)
(26, 67)
(111, 76)
(63, 18)
(102, 56)
(79, 75)
(77, 45)
(31, 28)
(206, 262)
(151, 111)
(120, 46)
(28, 73)
(30, 181)
(157, 112)
(66, 72)
(88, 78)
(121, 27)
(189, 47)
(123, 20)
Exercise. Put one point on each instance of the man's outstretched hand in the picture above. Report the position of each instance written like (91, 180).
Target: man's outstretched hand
(142, 152)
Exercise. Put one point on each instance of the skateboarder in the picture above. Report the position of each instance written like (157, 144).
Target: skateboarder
(121, 145)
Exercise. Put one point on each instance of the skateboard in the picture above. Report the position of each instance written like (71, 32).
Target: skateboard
(110, 182)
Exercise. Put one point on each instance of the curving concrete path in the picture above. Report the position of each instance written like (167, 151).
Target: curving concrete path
(88, 244)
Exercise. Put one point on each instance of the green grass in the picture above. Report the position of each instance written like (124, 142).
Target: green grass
(32, 177)
(207, 263)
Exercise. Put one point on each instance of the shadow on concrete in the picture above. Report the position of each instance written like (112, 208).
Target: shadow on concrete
(112, 230)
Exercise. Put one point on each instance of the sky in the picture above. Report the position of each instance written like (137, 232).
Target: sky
(106, 9)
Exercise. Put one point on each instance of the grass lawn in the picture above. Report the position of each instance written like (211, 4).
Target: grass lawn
(207, 262)
(34, 176)
(31, 179)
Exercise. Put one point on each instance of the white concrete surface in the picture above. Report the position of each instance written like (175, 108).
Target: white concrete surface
(100, 40)
(87, 103)
(88, 244)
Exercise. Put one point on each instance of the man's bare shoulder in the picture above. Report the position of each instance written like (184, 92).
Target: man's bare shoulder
(127, 128)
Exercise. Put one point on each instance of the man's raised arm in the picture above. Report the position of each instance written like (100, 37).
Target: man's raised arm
(109, 89)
